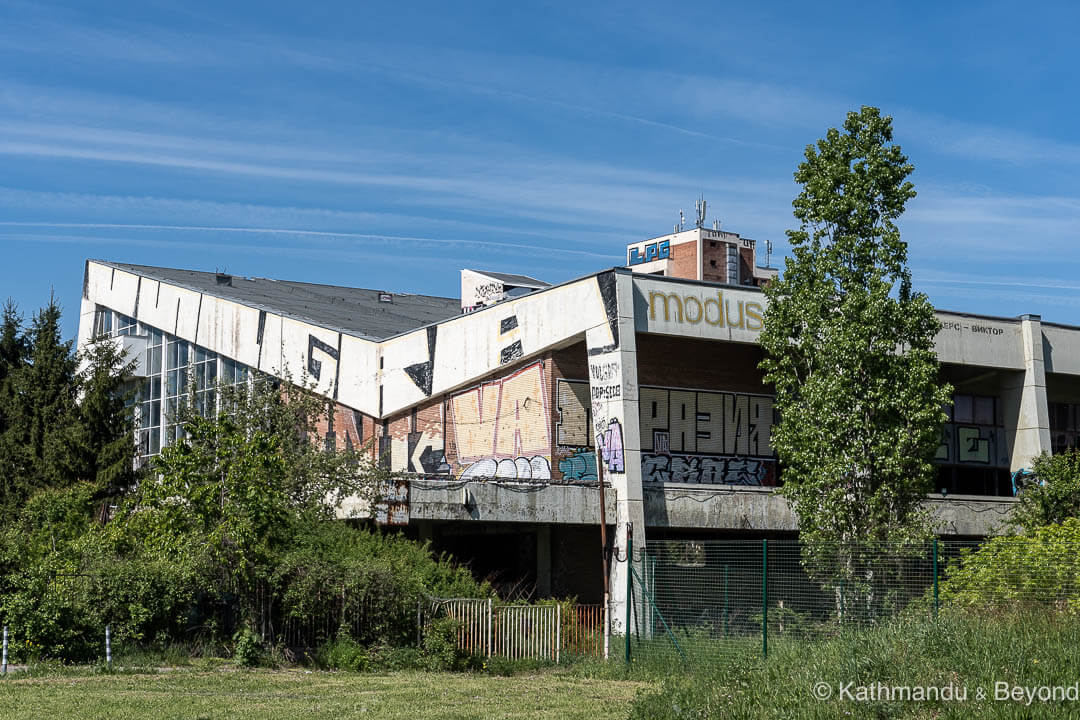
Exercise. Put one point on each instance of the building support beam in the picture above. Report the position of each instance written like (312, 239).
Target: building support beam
(613, 388)
(1027, 414)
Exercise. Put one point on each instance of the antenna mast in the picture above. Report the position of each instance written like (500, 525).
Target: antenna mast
(699, 206)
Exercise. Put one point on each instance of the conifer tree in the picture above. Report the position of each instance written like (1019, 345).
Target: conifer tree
(45, 401)
(13, 359)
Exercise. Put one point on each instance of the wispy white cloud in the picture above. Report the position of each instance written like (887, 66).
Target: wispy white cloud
(383, 238)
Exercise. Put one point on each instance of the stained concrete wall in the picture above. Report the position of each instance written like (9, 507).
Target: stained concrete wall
(722, 508)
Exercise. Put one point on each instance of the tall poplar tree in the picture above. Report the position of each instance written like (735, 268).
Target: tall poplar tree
(849, 347)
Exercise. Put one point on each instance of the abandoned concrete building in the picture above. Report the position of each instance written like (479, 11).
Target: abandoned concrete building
(499, 407)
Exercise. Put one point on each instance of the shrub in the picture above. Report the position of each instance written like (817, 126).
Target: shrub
(343, 653)
(440, 644)
(1041, 567)
(247, 648)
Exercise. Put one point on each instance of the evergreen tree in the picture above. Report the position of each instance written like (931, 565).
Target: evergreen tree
(13, 359)
(44, 407)
(100, 440)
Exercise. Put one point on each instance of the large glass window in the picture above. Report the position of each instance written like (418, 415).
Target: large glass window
(176, 371)
(102, 321)
(973, 456)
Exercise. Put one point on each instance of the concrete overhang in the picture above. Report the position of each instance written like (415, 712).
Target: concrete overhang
(690, 507)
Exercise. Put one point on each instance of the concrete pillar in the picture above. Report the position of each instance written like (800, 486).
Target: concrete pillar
(543, 560)
(1027, 415)
(613, 388)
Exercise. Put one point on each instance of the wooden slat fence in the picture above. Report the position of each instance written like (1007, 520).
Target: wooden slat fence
(520, 632)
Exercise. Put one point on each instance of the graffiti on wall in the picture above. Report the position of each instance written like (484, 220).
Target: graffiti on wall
(424, 451)
(704, 469)
(509, 339)
(610, 443)
(973, 445)
(501, 428)
(579, 466)
(686, 435)
(709, 423)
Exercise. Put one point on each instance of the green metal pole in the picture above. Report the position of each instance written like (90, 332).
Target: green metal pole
(725, 600)
(629, 587)
(765, 599)
(935, 578)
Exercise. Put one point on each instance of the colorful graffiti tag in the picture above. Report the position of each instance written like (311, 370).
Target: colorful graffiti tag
(579, 466)
(501, 428)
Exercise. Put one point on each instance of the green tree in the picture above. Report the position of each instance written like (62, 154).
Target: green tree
(1054, 496)
(13, 359)
(849, 348)
(43, 394)
(100, 440)
(237, 488)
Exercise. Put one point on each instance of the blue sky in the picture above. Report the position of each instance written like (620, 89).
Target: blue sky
(388, 145)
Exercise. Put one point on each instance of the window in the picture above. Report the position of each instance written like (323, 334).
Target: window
(1064, 426)
(125, 325)
(102, 321)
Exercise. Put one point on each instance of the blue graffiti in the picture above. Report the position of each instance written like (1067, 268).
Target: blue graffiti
(579, 467)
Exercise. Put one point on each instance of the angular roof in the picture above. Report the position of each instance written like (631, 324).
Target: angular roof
(516, 280)
(356, 311)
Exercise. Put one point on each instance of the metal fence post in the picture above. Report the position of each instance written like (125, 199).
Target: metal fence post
(935, 578)
(725, 600)
(558, 631)
(629, 587)
(765, 598)
(490, 634)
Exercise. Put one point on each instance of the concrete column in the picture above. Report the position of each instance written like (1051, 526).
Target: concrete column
(543, 560)
(613, 387)
(1027, 415)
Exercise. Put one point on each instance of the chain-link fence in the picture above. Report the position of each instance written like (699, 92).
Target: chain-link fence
(693, 601)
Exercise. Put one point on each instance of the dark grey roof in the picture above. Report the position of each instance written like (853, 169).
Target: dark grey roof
(355, 311)
(519, 280)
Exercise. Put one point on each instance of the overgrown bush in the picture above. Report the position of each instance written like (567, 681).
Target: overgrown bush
(343, 653)
(1054, 495)
(1041, 567)
(440, 644)
(248, 650)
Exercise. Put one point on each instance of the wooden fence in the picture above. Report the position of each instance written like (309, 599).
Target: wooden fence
(522, 632)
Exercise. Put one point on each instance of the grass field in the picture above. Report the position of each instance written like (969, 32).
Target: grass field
(228, 693)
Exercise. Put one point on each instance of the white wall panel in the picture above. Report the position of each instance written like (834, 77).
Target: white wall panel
(296, 339)
(358, 384)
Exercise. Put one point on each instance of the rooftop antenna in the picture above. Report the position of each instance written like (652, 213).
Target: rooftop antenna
(768, 252)
(682, 221)
(699, 206)
(715, 224)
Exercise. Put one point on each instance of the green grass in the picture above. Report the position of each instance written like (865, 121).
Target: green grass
(82, 694)
(970, 651)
